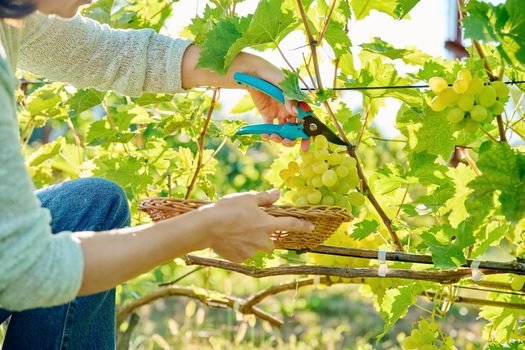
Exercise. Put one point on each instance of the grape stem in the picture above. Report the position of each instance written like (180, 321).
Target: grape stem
(350, 149)
(492, 77)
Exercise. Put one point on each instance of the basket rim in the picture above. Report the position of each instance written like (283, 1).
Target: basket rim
(305, 211)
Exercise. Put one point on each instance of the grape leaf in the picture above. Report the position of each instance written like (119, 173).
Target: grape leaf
(362, 8)
(503, 322)
(85, 99)
(426, 131)
(219, 40)
(397, 301)
(338, 38)
(503, 23)
(269, 24)
(503, 170)
(364, 229)
(425, 170)
(290, 86)
(403, 7)
(447, 244)
(409, 55)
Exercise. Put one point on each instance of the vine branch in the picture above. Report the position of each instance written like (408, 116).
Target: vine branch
(442, 276)
(201, 144)
(213, 299)
(496, 266)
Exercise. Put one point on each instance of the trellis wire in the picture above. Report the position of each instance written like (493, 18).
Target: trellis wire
(393, 87)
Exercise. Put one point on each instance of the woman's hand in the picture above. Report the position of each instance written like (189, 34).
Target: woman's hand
(238, 227)
(247, 63)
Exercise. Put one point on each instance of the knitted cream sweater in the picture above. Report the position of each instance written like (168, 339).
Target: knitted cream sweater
(38, 269)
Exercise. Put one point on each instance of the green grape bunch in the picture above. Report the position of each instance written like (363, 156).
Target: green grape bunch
(469, 102)
(427, 337)
(322, 176)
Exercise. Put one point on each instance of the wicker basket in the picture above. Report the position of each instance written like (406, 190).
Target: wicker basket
(326, 219)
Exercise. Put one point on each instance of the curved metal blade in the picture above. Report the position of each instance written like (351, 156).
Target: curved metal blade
(313, 127)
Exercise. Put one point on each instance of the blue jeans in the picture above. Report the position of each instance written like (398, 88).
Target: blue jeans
(87, 322)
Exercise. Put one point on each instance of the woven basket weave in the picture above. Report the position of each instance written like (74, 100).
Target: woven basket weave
(326, 219)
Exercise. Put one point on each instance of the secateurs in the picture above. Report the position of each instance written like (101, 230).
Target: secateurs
(307, 126)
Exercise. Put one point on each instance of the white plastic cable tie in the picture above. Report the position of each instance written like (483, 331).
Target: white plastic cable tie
(477, 275)
(383, 268)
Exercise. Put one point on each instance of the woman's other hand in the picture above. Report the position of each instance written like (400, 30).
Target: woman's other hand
(237, 226)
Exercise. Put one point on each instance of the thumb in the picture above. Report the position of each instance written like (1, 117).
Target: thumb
(305, 144)
(267, 197)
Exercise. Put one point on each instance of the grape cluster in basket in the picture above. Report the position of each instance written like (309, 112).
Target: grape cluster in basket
(322, 176)
(469, 102)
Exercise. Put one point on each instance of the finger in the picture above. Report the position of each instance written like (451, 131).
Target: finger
(276, 138)
(289, 143)
(288, 223)
(267, 197)
(291, 107)
(265, 137)
(305, 144)
(264, 243)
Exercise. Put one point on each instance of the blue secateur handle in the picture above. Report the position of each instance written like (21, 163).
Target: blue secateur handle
(287, 130)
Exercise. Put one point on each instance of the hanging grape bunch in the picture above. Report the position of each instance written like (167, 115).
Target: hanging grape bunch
(469, 102)
(322, 176)
(428, 337)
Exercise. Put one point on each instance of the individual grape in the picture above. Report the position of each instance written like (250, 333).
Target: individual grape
(301, 202)
(460, 86)
(342, 171)
(487, 96)
(317, 181)
(478, 113)
(461, 125)
(497, 108)
(502, 90)
(352, 179)
(295, 182)
(409, 343)
(356, 199)
(328, 200)
(329, 178)
(335, 158)
(320, 142)
(517, 282)
(455, 115)
(285, 174)
(349, 162)
(320, 167)
(466, 102)
(437, 104)
(343, 187)
(294, 167)
(306, 172)
(322, 155)
(314, 196)
(448, 96)
(437, 84)
(341, 202)
(464, 74)
(308, 157)
(471, 125)
(290, 196)
(475, 86)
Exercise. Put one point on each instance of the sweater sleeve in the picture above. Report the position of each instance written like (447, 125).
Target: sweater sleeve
(38, 269)
(86, 53)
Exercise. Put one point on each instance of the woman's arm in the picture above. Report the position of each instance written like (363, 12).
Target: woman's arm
(85, 53)
(234, 227)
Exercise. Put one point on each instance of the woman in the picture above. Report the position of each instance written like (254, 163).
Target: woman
(40, 270)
